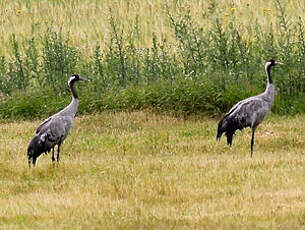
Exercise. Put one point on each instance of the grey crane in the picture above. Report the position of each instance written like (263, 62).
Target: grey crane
(54, 130)
(249, 112)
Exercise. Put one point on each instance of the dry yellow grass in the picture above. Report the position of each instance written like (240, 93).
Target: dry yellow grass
(87, 21)
(145, 171)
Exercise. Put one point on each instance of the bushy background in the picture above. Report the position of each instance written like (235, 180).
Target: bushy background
(200, 68)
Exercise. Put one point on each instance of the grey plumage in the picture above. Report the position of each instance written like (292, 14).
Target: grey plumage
(54, 130)
(249, 112)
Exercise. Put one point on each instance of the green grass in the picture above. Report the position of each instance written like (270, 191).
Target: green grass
(145, 171)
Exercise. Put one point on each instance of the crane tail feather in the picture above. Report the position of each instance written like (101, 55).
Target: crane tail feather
(219, 131)
(227, 125)
(229, 137)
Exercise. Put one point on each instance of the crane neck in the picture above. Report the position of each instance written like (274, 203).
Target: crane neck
(268, 73)
(73, 91)
(268, 95)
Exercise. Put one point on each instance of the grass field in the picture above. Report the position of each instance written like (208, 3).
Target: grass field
(87, 21)
(146, 171)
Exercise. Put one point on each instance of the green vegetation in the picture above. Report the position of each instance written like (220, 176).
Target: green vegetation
(201, 60)
(145, 171)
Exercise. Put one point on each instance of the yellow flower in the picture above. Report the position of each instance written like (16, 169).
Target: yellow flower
(233, 9)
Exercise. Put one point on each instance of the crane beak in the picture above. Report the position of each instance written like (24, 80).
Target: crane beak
(83, 79)
(279, 63)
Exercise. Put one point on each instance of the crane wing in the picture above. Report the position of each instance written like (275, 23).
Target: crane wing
(246, 108)
(246, 113)
(51, 131)
(237, 105)
(43, 125)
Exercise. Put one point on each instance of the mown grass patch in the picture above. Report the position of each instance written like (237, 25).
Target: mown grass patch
(143, 170)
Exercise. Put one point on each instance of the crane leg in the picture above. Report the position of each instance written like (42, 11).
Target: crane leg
(58, 151)
(53, 157)
(252, 141)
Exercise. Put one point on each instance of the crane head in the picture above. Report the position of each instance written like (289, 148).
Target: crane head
(272, 62)
(75, 78)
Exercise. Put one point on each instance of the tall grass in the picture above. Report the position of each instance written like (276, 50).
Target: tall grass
(205, 64)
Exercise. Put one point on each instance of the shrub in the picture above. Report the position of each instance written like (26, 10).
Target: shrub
(203, 70)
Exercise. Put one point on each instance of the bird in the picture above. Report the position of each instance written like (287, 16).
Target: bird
(249, 112)
(54, 130)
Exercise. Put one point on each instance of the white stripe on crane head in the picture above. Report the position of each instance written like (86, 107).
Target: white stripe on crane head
(71, 79)
(268, 63)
